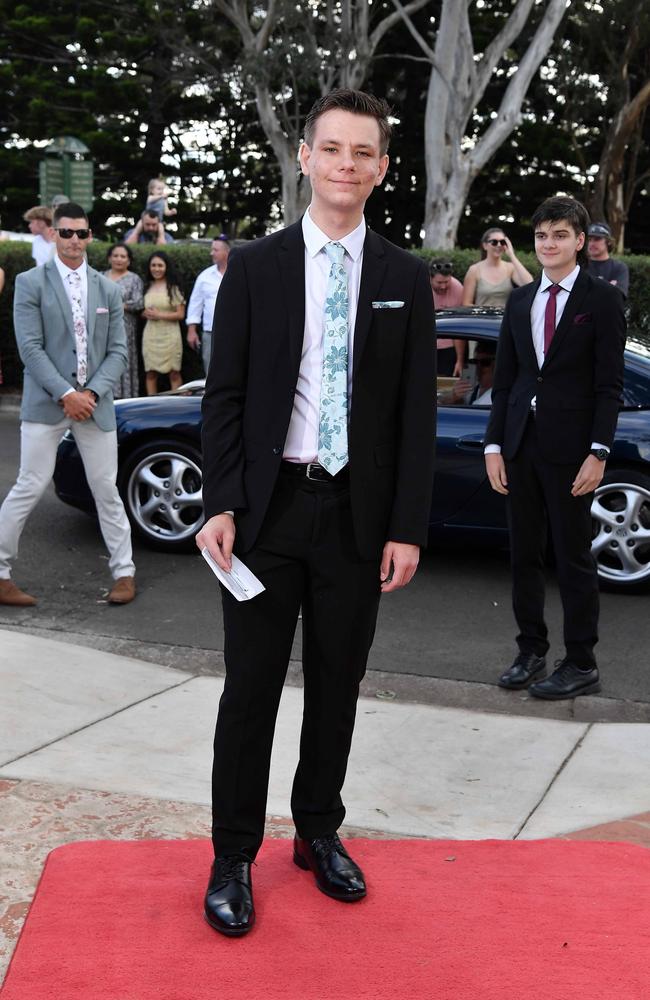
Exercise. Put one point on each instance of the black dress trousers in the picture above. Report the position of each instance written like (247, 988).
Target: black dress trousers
(306, 558)
(540, 499)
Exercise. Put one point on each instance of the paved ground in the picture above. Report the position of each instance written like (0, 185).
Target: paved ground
(443, 639)
(95, 745)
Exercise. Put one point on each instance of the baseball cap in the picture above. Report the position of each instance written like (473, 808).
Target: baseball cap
(599, 229)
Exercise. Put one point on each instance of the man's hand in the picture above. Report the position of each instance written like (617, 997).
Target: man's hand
(78, 405)
(193, 337)
(460, 390)
(589, 476)
(218, 536)
(399, 562)
(458, 369)
(496, 470)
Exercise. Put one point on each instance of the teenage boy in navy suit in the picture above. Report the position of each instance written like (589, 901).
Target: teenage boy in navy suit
(326, 490)
(555, 400)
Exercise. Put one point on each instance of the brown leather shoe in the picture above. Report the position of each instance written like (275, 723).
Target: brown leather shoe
(123, 590)
(11, 594)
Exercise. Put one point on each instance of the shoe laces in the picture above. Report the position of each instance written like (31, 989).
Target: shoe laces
(326, 845)
(563, 668)
(232, 867)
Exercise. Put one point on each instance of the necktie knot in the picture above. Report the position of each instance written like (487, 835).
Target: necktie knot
(335, 252)
(554, 289)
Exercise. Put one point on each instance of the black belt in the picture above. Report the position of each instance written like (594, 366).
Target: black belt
(314, 472)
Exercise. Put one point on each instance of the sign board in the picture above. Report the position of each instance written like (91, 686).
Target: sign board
(62, 175)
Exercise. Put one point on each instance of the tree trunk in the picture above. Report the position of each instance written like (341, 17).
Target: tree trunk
(458, 83)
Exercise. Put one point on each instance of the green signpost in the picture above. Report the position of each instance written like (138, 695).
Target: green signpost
(64, 171)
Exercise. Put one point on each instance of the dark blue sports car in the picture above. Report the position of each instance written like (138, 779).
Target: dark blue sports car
(160, 461)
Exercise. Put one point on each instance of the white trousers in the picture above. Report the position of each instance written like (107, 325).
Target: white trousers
(98, 450)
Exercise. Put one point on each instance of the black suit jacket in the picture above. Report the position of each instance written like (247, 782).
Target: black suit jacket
(578, 388)
(258, 337)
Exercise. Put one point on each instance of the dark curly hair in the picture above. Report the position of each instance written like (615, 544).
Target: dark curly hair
(171, 278)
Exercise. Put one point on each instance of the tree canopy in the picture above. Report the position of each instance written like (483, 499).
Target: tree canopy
(212, 94)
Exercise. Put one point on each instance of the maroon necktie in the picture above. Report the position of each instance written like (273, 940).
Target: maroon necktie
(549, 316)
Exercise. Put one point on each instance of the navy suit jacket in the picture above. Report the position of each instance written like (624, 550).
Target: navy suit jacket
(577, 389)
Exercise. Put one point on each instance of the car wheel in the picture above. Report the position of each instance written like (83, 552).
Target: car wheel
(161, 483)
(621, 528)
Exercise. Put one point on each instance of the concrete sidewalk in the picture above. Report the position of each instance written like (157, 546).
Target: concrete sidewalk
(95, 745)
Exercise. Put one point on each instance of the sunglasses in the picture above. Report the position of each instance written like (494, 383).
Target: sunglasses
(497, 243)
(445, 268)
(67, 234)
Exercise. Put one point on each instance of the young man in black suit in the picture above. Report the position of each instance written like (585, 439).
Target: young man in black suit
(318, 443)
(555, 401)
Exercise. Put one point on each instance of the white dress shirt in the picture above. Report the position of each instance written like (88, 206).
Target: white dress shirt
(538, 309)
(204, 295)
(42, 249)
(301, 444)
(64, 271)
(82, 271)
(537, 313)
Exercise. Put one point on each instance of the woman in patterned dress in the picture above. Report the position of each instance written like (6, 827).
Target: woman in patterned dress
(120, 260)
(162, 345)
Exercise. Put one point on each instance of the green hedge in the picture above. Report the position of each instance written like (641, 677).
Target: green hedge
(189, 259)
(638, 304)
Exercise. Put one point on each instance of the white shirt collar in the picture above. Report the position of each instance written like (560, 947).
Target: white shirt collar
(567, 282)
(64, 270)
(315, 239)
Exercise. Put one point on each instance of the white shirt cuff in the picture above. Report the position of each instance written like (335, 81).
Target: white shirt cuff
(492, 449)
(595, 444)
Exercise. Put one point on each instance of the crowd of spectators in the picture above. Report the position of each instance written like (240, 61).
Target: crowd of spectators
(155, 309)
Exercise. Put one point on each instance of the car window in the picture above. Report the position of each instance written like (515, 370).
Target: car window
(473, 386)
(636, 389)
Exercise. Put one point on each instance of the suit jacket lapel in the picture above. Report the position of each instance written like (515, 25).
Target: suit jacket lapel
(291, 258)
(521, 319)
(52, 273)
(373, 269)
(571, 307)
(92, 300)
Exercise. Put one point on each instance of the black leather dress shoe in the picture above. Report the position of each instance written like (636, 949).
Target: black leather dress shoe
(229, 897)
(567, 681)
(522, 671)
(336, 873)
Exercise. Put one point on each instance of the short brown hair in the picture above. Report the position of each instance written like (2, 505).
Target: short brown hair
(69, 210)
(359, 103)
(41, 212)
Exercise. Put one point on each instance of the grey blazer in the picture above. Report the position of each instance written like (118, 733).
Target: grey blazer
(47, 347)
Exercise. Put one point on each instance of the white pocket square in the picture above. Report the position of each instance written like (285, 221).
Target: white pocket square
(100, 309)
(393, 304)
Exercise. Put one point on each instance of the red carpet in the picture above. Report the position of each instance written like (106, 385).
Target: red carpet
(444, 920)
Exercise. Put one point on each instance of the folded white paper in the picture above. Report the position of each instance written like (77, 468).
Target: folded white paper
(242, 584)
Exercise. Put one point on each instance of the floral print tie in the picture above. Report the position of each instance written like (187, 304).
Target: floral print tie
(79, 323)
(333, 413)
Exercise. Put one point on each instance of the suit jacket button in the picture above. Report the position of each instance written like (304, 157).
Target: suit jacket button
(539, 378)
(276, 451)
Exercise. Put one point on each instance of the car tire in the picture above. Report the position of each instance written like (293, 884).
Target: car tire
(620, 514)
(161, 484)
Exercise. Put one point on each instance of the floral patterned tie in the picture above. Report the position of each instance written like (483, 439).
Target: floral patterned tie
(79, 322)
(333, 414)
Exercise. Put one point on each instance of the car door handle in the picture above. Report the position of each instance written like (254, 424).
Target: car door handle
(471, 443)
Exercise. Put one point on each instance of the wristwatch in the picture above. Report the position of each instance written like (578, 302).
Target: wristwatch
(600, 453)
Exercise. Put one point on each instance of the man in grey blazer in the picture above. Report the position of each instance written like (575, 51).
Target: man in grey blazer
(69, 325)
